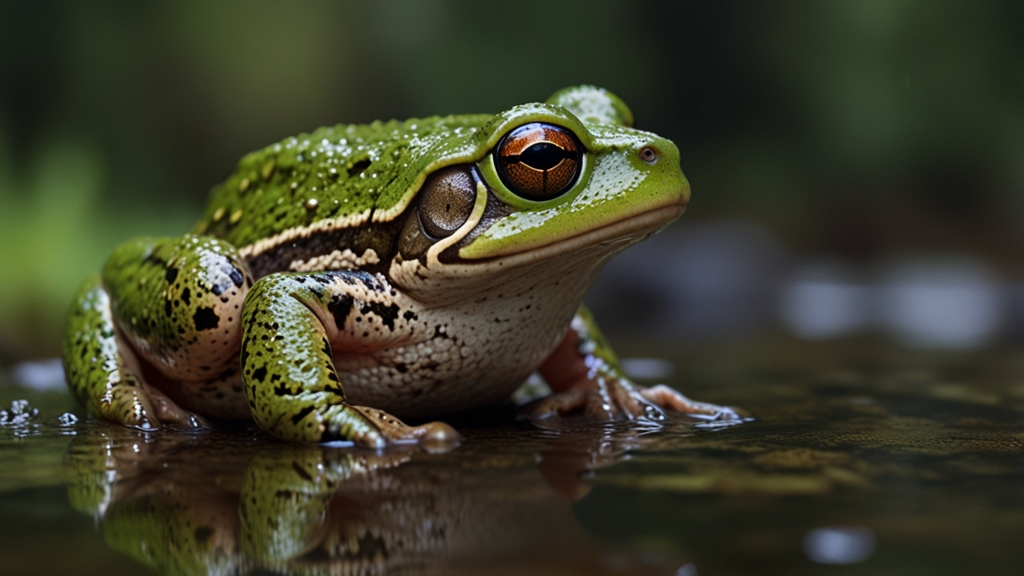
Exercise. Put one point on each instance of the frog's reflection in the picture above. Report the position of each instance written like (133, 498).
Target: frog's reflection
(234, 503)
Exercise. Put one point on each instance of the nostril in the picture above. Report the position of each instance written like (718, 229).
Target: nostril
(648, 154)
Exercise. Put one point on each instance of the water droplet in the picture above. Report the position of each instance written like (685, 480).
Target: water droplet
(219, 214)
(312, 203)
(243, 185)
(235, 217)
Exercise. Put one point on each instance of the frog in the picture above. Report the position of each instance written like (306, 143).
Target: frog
(345, 281)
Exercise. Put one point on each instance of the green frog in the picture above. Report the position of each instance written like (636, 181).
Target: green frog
(348, 279)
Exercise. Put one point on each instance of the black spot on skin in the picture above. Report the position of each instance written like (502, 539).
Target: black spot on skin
(260, 373)
(358, 168)
(401, 368)
(438, 333)
(410, 315)
(205, 319)
(171, 275)
(236, 277)
(167, 307)
(331, 376)
(387, 314)
(316, 292)
(301, 472)
(186, 296)
(281, 390)
(339, 307)
(202, 534)
(302, 414)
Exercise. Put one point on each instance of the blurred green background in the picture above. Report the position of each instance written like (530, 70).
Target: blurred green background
(845, 129)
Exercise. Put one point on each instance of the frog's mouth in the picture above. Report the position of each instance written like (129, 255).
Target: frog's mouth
(623, 231)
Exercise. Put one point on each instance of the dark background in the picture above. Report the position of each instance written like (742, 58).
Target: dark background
(870, 136)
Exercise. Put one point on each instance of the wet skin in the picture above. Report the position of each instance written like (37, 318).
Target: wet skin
(346, 278)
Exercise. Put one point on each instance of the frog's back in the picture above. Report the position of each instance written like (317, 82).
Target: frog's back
(310, 193)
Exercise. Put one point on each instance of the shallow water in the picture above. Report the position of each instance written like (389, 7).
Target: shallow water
(862, 459)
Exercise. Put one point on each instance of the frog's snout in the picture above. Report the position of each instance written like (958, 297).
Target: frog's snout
(684, 193)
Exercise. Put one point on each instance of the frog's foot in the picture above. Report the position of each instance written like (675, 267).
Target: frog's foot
(432, 435)
(670, 399)
(597, 399)
(604, 399)
(105, 373)
(168, 412)
(131, 401)
(361, 425)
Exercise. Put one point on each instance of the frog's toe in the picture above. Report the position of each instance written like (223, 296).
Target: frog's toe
(141, 420)
(432, 435)
(565, 402)
(126, 402)
(670, 399)
(168, 412)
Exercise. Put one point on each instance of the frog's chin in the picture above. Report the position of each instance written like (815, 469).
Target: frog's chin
(616, 235)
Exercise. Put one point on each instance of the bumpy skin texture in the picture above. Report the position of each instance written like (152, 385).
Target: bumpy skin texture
(312, 286)
(96, 372)
(300, 397)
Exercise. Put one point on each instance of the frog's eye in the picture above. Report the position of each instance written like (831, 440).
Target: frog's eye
(538, 161)
(446, 200)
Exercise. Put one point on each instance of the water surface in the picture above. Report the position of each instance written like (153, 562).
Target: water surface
(862, 458)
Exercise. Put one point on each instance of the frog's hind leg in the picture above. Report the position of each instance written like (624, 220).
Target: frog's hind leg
(586, 378)
(104, 373)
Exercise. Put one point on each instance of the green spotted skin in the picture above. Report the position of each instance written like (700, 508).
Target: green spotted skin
(94, 367)
(314, 298)
(171, 534)
(286, 500)
(299, 396)
(335, 172)
(178, 300)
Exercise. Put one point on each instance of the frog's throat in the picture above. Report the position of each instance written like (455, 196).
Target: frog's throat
(628, 230)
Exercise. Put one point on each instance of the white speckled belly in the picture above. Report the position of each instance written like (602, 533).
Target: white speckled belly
(477, 352)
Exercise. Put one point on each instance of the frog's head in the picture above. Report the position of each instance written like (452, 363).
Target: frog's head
(538, 182)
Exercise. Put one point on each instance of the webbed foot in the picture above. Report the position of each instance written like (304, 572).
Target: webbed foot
(588, 380)
(605, 399)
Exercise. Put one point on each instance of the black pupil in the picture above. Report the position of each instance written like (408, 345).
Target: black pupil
(544, 156)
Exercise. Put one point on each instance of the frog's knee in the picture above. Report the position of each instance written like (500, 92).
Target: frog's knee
(206, 285)
(179, 302)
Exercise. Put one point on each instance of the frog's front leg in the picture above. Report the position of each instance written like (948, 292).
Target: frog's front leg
(293, 324)
(585, 376)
